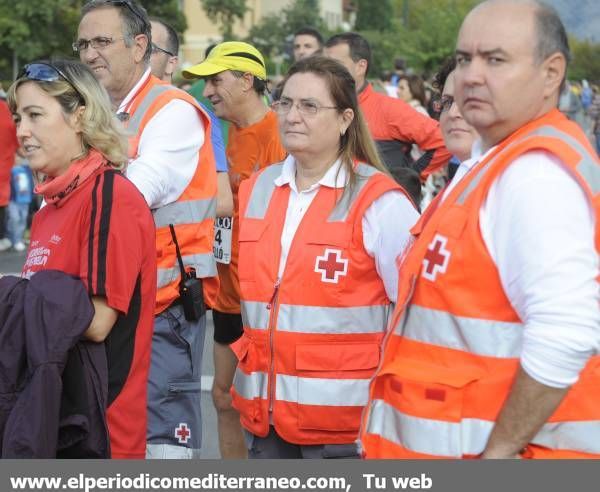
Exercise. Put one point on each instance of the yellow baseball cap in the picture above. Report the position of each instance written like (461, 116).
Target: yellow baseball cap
(230, 55)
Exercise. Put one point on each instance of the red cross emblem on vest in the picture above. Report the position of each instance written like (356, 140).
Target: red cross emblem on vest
(183, 433)
(436, 259)
(331, 266)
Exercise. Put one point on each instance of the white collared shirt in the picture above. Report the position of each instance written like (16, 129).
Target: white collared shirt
(538, 227)
(168, 150)
(386, 223)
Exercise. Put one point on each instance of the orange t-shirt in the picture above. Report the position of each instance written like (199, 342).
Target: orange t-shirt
(248, 150)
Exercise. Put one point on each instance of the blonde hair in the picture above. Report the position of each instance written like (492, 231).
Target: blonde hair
(100, 128)
(357, 142)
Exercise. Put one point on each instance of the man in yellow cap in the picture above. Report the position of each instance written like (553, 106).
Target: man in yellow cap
(235, 77)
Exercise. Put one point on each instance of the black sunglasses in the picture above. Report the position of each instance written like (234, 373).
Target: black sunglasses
(45, 72)
(162, 50)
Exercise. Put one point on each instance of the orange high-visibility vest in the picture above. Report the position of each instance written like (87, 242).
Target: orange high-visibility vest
(192, 214)
(312, 337)
(454, 343)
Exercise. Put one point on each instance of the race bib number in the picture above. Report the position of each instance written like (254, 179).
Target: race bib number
(222, 242)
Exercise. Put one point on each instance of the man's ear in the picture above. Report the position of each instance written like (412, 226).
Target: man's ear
(554, 68)
(362, 65)
(140, 44)
(248, 81)
(171, 65)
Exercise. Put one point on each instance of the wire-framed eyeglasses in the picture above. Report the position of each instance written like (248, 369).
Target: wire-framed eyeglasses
(307, 107)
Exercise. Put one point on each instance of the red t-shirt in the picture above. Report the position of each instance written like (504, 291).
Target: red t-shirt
(103, 233)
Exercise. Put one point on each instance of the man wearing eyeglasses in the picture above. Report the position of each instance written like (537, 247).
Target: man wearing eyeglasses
(165, 48)
(235, 75)
(172, 164)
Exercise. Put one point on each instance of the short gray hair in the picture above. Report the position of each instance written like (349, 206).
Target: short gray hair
(134, 20)
(551, 35)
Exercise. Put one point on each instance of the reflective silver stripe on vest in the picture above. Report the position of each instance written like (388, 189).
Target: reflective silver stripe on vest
(133, 125)
(185, 212)
(577, 435)
(476, 336)
(262, 191)
(434, 437)
(462, 198)
(344, 204)
(255, 315)
(332, 320)
(322, 391)
(203, 263)
(587, 167)
(470, 436)
(249, 386)
(317, 319)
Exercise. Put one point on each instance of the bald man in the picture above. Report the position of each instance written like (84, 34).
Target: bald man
(495, 338)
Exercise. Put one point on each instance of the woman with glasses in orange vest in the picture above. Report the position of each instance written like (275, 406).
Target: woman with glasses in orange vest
(319, 236)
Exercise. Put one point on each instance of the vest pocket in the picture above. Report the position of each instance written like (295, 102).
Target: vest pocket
(426, 390)
(251, 231)
(431, 398)
(332, 384)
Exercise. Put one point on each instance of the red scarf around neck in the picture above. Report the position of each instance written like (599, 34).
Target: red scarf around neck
(55, 189)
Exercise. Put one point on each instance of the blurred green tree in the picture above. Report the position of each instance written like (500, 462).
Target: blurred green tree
(586, 60)
(46, 28)
(374, 16)
(225, 12)
(169, 11)
(427, 31)
(273, 35)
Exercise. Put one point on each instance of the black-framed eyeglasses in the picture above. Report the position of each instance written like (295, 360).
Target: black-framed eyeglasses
(156, 48)
(97, 43)
(304, 106)
(46, 72)
(443, 104)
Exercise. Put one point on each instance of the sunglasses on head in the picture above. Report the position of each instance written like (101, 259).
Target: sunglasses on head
(42, 71)
(46, 72)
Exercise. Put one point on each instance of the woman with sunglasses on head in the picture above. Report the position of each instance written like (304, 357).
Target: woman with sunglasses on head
(319, 236)
(95, 226)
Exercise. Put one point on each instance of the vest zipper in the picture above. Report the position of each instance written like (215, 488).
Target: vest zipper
(275, 291)
(272, 306)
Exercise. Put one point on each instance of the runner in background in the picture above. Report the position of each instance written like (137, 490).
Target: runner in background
(235, 77)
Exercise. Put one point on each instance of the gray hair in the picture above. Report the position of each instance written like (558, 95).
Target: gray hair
(551, 33)
(551, 36)
(134, 19)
